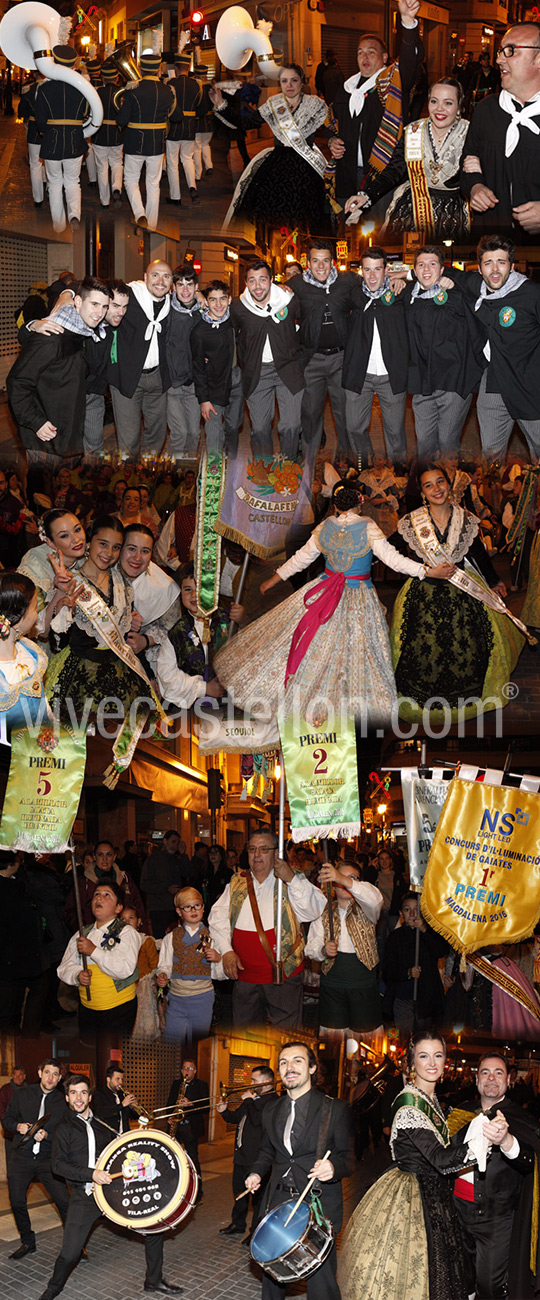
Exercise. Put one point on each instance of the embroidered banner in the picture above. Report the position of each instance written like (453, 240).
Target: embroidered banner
(482, 883)
(43, 790)
(207, 552)
(263, 499)
(322, 780)
(423, 798)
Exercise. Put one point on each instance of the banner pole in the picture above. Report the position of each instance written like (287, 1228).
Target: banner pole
(278, 979)
(422, 770)
(78, 908)
(233, 627)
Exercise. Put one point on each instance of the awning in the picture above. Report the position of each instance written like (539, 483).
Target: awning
(170, 787)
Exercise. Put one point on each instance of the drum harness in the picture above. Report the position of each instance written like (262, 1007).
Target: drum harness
(287, 1183)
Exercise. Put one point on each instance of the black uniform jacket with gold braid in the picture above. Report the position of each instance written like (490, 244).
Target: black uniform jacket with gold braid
(109, 133)
(145, 113)
(183, 119)
(60, 111)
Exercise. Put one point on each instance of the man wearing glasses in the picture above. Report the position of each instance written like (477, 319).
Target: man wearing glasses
(501, 169)
(243, 924)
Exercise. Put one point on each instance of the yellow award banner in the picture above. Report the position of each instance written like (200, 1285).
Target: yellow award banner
(43, 791)
(322, 780)
(482, 883)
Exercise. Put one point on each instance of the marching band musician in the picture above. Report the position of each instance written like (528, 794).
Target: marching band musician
(107, 142)
(189, 1092)
(30, 1158)
(144, 113)
(247, 1118)
(298, 1129)
(111, 1103)
(60, 110)
(180, 145)
(27, 104)
(78, 1142)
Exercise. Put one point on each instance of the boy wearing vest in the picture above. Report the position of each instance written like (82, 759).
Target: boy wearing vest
(349, 993)
(111, 948)
(185, 961)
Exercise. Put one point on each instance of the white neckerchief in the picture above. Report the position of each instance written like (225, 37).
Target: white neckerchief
(515, 279)
(89, 1187)
(420, 292)
(520, 117)
(154, 593)
(279, 298)
(358, 93)
(153, 329)
(36, 1145)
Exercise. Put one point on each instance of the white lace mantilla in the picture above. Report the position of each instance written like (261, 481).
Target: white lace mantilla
(408, 1117)
(461, 534)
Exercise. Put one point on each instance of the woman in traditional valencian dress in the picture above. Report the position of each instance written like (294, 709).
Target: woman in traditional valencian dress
(449, 646)
(64, 539)
(22, 663)
(283, 185)
(335, 651)
(97, 668)
(404, 1240)
(424, 173)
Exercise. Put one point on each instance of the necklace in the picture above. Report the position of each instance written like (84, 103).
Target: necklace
(434, 1100)
(437, 164)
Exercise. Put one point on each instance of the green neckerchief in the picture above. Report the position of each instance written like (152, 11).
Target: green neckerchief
(418, 1102)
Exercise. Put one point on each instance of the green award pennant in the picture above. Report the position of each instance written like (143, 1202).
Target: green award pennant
(207, 541)
(322, 781)
(43, 791)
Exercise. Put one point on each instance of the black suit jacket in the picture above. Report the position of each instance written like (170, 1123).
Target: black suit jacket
(498, 1190)
(48, 382)
(70, 1148)
(196, 1091)
(107, 1108)
(252, 332)
(24, 1109)
(313, 302)
(390, 318)
(132, 349)
(251, 1111)
(274, 1157)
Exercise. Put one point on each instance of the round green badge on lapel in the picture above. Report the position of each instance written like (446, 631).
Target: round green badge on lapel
(507, 316)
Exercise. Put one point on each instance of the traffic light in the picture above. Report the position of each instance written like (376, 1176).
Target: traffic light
(196, 18)
(215, 789)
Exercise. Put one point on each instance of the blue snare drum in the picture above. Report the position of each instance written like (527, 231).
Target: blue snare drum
(288, 1253)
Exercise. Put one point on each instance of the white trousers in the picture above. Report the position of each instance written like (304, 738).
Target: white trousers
(64, 175)
(36, 173)
(184, 151)
(133, 165)
(108, 156)
(203, 152)
(91, 163)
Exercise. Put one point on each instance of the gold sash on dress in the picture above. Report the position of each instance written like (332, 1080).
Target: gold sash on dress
(284, 121)
(435, 554)
(424, 216)
(99, 614)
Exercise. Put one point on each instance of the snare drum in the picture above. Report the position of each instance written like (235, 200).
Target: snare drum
(288, 1253)
(154, 1182)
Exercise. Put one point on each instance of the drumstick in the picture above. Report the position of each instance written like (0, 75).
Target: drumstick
(246, 1193)
(304, 1193)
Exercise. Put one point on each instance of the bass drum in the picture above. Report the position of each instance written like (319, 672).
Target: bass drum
(295, 1251)
(154, 1182)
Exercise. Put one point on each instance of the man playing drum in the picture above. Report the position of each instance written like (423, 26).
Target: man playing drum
(298, 1129)
(78, 1141)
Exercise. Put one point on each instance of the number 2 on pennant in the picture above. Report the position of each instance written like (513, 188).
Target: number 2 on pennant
(321, 756)
(44, 786)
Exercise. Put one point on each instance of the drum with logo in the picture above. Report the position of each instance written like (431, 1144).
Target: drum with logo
(295, 1251)
(154, 1182)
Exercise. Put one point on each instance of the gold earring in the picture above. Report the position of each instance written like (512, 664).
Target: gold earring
(412, 1075)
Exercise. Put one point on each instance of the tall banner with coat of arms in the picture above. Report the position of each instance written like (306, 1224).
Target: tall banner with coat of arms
(423, 798)
(43, 791)
(263, 501)
(482, 883)
(322, 779)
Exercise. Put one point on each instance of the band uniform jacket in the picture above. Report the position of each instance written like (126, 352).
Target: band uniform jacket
(313, 303)
(145, 113)
(274, 1157)
(48, 382)
(132, 349)
(252, 330)
(60, 111)
(109, 134)
(391, 324)
(183, 119)
(27, 110)
(197, 1092)
(248, 1119)
(24, 1108)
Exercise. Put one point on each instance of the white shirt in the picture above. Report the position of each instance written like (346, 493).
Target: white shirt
(375, 365)
(174, 684)
(370, 900)
(166, 956)
(380, 547)
(306, 901)
(119, 962)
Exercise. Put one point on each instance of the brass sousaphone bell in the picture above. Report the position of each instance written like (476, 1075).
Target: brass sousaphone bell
(237, 39)
(123, 60)
(28, 34)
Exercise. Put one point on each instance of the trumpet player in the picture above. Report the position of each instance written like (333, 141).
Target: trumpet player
(111, 1103)
(185, 960)
(247, 1119)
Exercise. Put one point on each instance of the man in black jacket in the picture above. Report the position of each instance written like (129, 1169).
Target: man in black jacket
(446, 356)
(247, 1118)
(189, 1092)
(298, 1129)
(325, 297)
(507, 307)
(30, 1159)
(27, 104)
(496, 1206)
(217, 377)
(47, 383)
(111, 1103)
(60, 110)
(268, 355)
(180, 144)
(141, 379)
(359, 105)
(144, 112)
(399, 972)
(183, 410)
(78, 1141)
(376, 360)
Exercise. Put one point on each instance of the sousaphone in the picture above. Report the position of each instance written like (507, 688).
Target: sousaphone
(28, 34)
(237, 39)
